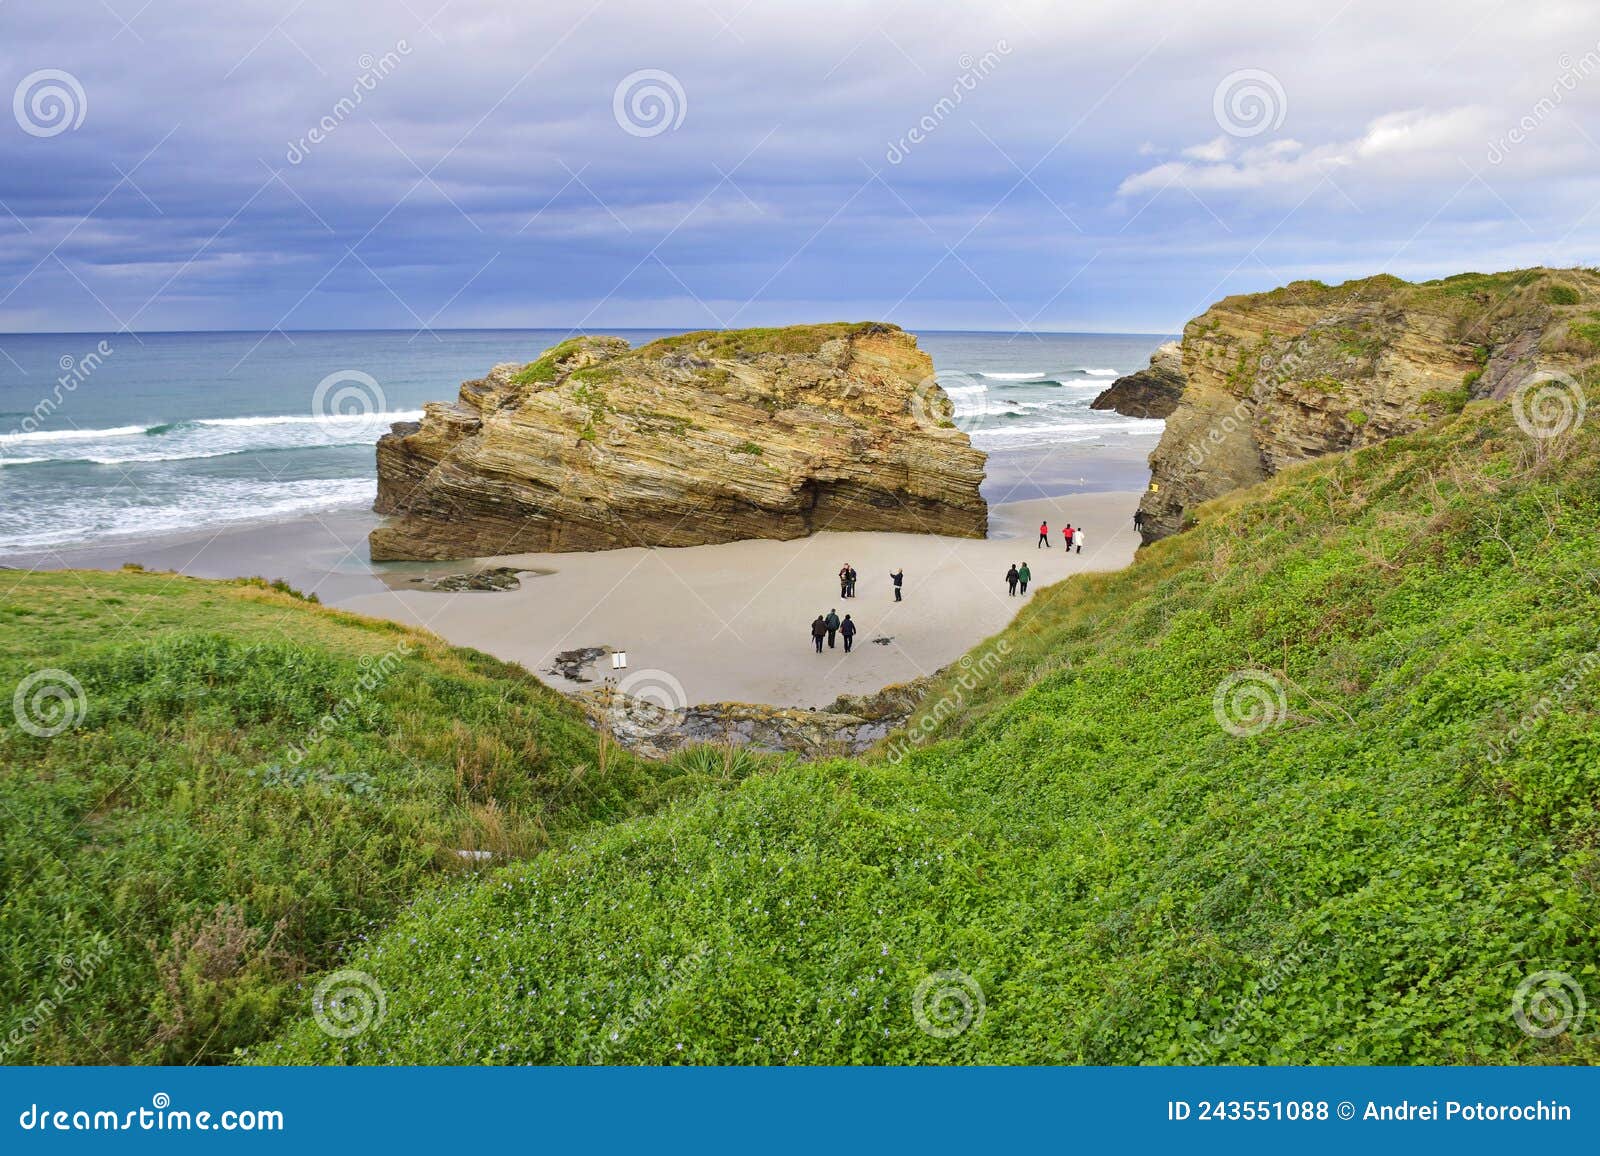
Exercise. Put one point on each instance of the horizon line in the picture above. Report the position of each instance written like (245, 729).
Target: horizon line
(554, 329)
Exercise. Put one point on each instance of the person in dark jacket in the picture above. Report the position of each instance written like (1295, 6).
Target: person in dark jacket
(1013, 576)
(819, 631)
(848, 630)
(1024, 576)
(898, 578)
(844, 580)
(832, 624)
(852, 581)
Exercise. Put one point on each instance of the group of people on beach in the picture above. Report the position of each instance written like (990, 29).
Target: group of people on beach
(1070, 537)
(1018, 577)
(830, 627)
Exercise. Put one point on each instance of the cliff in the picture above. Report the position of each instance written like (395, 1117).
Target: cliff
(1270, 379)
(707, 437)
(1151, 392)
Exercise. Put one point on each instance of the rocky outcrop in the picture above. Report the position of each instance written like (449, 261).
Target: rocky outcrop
(846, 726)
(1271, 379)
(1151, 392)
(490, 579)
(708, 437)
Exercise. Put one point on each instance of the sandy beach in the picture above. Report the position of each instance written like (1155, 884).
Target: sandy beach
(731, 622)
(726, 623)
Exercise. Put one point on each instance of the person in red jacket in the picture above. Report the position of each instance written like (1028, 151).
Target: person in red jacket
(1067, 534)
(1044, 535)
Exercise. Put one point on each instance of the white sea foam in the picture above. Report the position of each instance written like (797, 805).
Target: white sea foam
(96, 515)
(198, 438)
(70, 435)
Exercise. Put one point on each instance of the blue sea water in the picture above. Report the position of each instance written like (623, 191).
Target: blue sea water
(104, 436)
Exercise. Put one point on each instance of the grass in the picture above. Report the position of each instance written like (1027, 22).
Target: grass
(1080, 844)
(547, 367)
(747, 343)
(257, 785)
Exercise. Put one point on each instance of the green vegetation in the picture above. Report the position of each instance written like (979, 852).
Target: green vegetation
(255, 783)
(1448, 401)
(1587, 332)
(744, 343)
(1559, 294)
(547, 368)
(748, 448)
(1367, 876)
(1484, 285)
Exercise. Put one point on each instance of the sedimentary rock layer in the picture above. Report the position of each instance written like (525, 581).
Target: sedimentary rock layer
(1271, 379)
(708, 437)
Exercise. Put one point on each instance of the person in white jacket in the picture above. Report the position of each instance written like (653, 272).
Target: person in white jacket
(1077, 539)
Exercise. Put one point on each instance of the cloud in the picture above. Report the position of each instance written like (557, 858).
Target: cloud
(1399, 143)
(484, 174)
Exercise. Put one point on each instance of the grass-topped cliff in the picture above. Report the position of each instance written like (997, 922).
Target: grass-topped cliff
(1357, 854)
(1266, 380)
(253, 784)
(712, 436)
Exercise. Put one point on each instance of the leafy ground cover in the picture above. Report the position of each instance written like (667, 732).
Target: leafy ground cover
(1314, 782)
(253, 784)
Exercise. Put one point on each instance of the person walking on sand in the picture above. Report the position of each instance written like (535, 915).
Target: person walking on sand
(1077, 539)
(1067, 533)
(832, 624)
(844, 580)
(1024, 576)
(852, 581)
(848, 630)
(1044, 535)
(819, 630)
(898, 578)
(1013, 576)
(1138, 520)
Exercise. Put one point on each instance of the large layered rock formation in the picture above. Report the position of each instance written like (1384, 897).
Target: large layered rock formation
(1151, 392)
(1270, 379)
(708, 437)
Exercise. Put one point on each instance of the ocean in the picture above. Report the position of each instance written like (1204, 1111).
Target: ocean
(105, 437)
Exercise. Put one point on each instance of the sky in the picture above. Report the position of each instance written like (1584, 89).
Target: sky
(272, 164)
